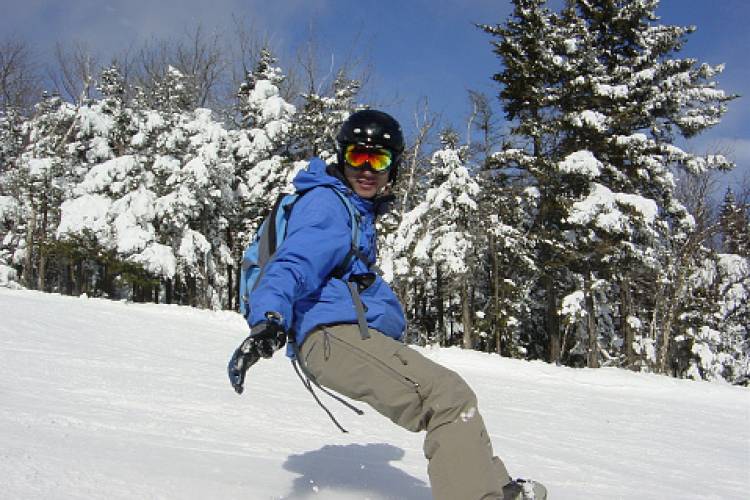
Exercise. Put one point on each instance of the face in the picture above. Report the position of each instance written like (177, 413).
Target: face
(365, 182)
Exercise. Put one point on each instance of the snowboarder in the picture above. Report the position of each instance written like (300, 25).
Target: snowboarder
(347, 323)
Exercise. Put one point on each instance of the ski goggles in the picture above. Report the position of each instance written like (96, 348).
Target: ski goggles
(357, 156)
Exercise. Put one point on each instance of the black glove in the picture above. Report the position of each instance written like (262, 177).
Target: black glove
(265, 338)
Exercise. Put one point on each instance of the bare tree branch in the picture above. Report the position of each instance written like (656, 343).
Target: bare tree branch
(20, 81)
(76, 69)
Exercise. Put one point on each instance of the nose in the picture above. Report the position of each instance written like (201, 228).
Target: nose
(368, 171)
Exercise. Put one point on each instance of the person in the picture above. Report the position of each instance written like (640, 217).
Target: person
(302, 292)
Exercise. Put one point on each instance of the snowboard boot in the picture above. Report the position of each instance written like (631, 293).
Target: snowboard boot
(524, 489)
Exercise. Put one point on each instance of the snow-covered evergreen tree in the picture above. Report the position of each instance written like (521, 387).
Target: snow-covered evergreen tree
(101, 130)
(715, 343)
(601, 115)
(530, 44)
(321, 116)
(42, 178)
(11, 147)
(263, 167)
(192, 212)
(173, 92)
(508, 265)
(735, 225)
(437, 237)
(261, 148)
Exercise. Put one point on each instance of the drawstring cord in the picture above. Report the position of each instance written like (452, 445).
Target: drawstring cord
(308, 380)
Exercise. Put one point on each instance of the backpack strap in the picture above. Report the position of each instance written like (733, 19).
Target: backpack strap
(269, 240)
(355, 218)
(357, 282)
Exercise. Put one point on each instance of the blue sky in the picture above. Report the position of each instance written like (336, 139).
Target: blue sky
(416, 48)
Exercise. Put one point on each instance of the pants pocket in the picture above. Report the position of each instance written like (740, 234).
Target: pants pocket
(389, 369)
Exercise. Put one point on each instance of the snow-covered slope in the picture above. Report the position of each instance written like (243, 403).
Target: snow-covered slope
(102, 399)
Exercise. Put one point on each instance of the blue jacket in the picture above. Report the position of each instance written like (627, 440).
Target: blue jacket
(297, 282)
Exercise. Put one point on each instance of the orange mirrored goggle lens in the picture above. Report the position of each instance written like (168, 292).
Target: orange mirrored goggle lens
(378, 159)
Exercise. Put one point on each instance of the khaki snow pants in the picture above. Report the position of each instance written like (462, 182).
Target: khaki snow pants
(417, 394)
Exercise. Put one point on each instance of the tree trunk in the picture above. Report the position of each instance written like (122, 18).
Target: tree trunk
(552, 322)
(232, 295)
(231, 299)
(192, 294)
(440, 306)
(108, 284)
(466, 315)
(495, 285)
(42, 267)
(592, 358)
(628, 333)
(28, 261)
(673, 304)
(80, 278)
(427, 324)
(69, 266)
(169, 291)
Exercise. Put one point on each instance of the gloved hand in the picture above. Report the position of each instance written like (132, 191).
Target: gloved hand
(265, 338)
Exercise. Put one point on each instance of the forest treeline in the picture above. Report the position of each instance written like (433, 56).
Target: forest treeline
(569, 228)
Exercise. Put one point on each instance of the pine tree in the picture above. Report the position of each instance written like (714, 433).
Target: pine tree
(101, 130)
(601, 116)
(261, 154)
(42, 180)
(531, 45)
(716, 321)
(508, 264)
(11, 147)
(437, 236)
(192, 213)
(321, 116)
(734, 222)
(263, 167)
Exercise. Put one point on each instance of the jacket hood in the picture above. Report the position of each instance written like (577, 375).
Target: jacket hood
(316, 174)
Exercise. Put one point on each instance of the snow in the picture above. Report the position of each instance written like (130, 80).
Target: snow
(735, 268)
(8, 276)
(8, 205)
(85, 212)
(193, 246)
(120, 400)
(612, 91)
(645, 75)
(109, 174)
(637, 140)
(601, 207)
(92, 121)
(571, 45)
(581, 163)
(38, 167)
(157, 259)
(589, 118)
(572, 306)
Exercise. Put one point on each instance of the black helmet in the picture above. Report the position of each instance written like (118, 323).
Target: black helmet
(373, 128)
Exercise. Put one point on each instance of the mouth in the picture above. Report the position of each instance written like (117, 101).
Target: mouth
(367, 183)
